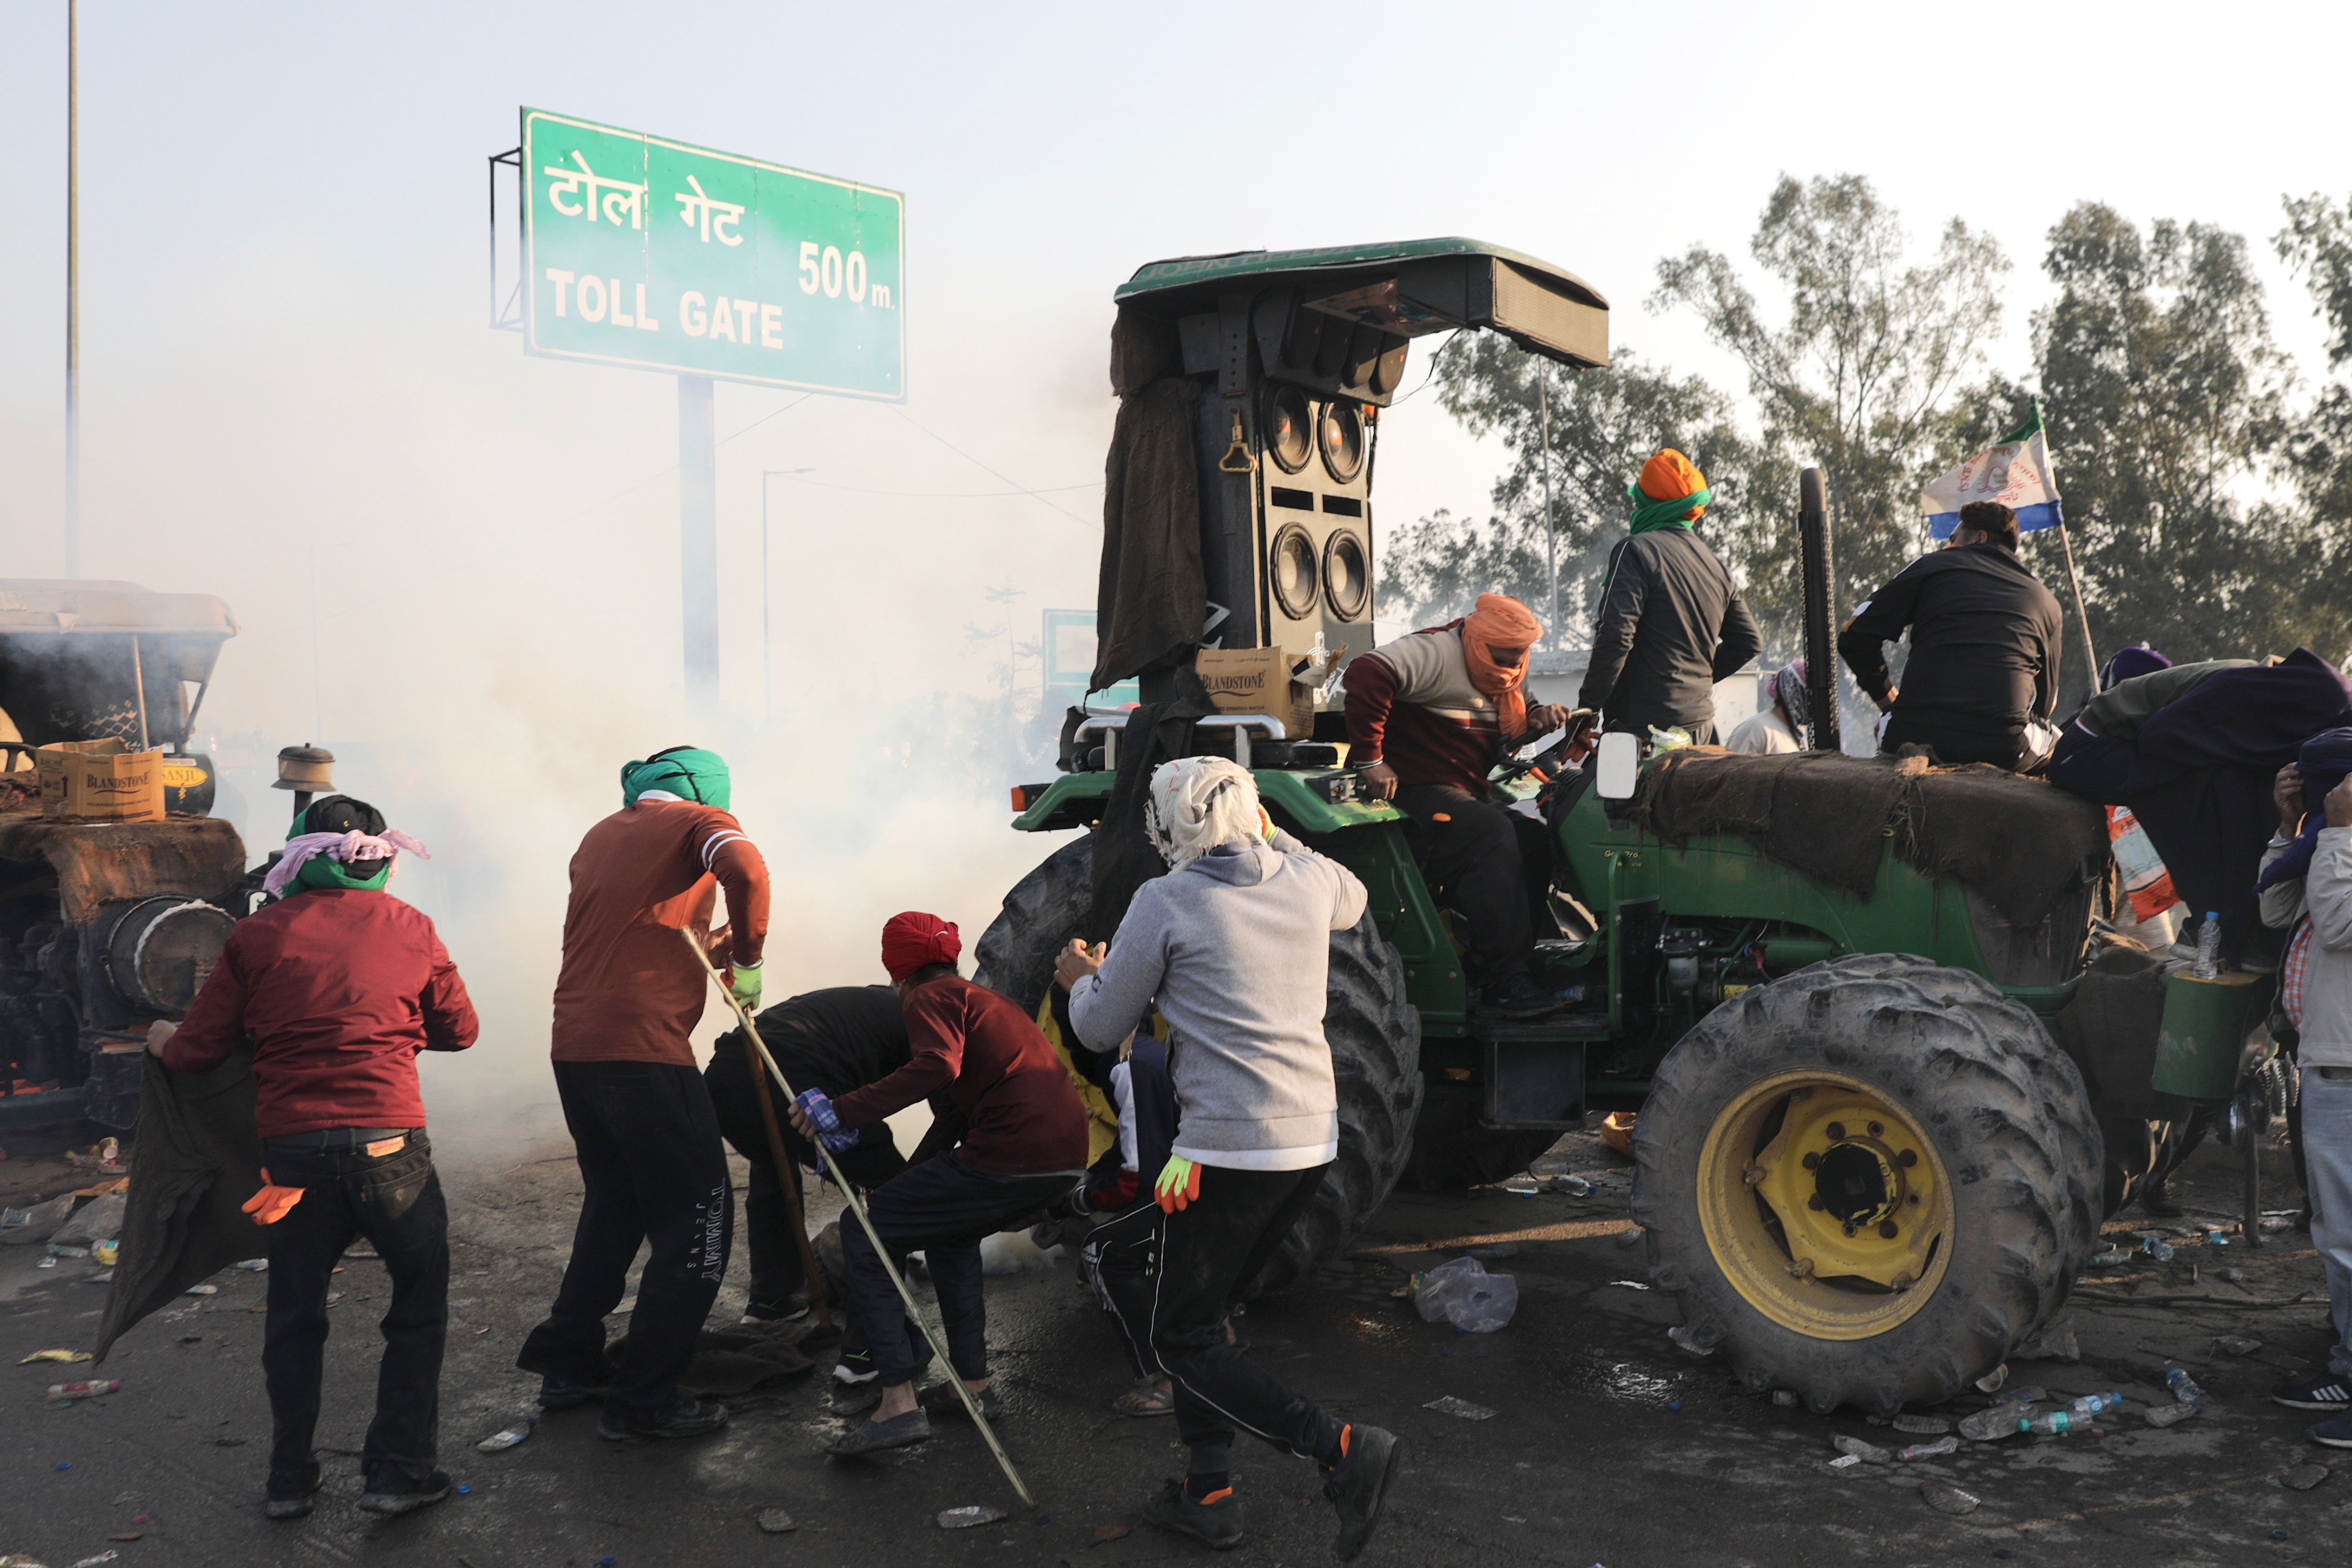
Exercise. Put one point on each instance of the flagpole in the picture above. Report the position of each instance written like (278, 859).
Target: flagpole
(2066, 545)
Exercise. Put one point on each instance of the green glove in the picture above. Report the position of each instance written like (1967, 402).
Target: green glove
(1179, 1183)
(743, 985)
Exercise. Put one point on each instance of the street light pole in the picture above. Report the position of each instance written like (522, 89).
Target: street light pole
(1552, 533)
(73, 291)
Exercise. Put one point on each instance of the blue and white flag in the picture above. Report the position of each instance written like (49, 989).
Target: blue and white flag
(2015, 472)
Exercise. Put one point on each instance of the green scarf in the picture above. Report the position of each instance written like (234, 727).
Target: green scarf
(688, 772)
(1649, 514)
(320, 874)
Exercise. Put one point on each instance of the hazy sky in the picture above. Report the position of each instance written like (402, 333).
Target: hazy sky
(286, 367)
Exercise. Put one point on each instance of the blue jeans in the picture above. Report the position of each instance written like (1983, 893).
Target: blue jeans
(2327, 1155)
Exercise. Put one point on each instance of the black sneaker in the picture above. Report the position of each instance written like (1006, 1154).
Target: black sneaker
(395, 1493)
(1517, 997)
(2326, 1391)
(686, 1418)
(290, 1499)
(1359, 1484)
(790, 1309)
(942, 1399)
(1216, 1520)
(873, 1437)
(562, 1393)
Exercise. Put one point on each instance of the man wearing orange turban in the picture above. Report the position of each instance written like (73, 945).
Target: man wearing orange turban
(1672, 622)
(1428, 718)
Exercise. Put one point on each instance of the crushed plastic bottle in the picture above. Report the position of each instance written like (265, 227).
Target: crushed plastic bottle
(1947, 1499)
(2209, 947)
(2236, 1344)
(2056, 1424)
(2107, 1257)
(1988, 1426)
(2093, 1404)
(1846, 1462)
(1685, 1340)
(1573, 1187)
(2167, 1415)
(2156, 1247)
(89, 1389)
(254, 1265)
(965, 1518)
(2184, 1388)
(2217, 1238)
(1922, 1425)
(1868, 1453)
(1934, 1450)
(500, 1441)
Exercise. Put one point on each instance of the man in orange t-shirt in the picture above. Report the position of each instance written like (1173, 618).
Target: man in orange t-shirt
(654, 1169)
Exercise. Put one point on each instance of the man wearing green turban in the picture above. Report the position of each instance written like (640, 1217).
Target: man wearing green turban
(1672, 622)
(647, 1135)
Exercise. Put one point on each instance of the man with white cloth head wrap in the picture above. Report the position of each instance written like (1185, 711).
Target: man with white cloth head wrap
(1232, 948)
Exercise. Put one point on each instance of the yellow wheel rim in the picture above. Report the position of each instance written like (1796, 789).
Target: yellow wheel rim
(1824, 1204)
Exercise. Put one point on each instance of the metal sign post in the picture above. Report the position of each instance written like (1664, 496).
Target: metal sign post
(657, 255)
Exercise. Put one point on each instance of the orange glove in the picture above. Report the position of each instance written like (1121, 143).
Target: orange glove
(268, 1205)
(1179, 1184)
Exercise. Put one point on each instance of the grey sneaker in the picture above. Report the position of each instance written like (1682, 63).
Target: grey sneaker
(873, 1437)
(1359, 1484)
(395, 1493)
(1217, 1521)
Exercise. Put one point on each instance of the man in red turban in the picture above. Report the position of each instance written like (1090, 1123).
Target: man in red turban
(1672, 622)
(1008, 1136)
(1428, 718)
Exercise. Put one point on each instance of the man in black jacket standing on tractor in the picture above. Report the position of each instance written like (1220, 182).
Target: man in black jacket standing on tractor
(1984, 646)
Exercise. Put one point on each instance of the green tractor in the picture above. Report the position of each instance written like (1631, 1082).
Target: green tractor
(1830, 987)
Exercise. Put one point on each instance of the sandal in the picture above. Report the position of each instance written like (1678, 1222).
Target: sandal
(1145, 1399)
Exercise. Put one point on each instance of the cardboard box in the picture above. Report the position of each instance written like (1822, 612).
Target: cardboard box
(1259, 680)
(101, 781)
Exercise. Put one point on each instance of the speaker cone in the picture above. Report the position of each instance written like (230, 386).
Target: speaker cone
(1340, 433)
(1289, 430)
(1294, 572)
(1347, 576)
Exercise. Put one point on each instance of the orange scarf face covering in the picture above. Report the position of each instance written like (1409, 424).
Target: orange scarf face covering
(1499, 621)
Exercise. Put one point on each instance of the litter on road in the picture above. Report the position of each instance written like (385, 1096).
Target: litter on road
(1855, 1447)
(965, 1518)
(776, 1521)
(2302, 1477)
(1934, 1450)
(67, 1355)
(90, 1390)
(508, 1439)
(1449, 1405)
(1948, 1499)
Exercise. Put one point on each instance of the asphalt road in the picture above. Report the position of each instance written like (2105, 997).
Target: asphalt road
(1606, 1446)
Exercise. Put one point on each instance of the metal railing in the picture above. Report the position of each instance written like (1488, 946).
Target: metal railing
(1109, 725)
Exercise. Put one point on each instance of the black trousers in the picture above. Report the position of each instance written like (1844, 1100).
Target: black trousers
(943, 1209)
(2096, 767)
(394, 1202)
(1955, 741)
(647, 1143)
(1208, 1250)
(1488, 862)
(776, 1271)
(1119, 1257)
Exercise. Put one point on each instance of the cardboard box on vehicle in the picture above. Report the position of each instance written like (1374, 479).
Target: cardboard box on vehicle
(101, 781)
(1259, 680)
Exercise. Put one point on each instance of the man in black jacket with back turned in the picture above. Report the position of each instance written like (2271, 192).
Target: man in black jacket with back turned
(1984, 646)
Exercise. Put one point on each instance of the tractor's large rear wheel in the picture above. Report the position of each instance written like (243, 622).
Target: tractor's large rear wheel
(1374, 1032)
(1867, 1181)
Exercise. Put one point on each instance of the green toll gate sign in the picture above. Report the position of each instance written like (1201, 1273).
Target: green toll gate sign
(646, 252)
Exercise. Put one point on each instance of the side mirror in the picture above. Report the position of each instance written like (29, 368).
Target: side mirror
(1618, 766)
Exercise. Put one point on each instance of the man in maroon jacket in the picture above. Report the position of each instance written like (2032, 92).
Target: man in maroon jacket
(1008, 1136)
(653, 1170)
(339, 986)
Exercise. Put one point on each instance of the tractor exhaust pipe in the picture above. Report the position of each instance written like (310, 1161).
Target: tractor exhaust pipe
(1821, 611)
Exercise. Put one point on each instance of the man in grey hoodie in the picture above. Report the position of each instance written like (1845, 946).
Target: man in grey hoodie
(1232, 948)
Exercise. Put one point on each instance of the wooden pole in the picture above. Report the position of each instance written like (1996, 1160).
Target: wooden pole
(865, 1220)
(789, 1180)
(2082, 616)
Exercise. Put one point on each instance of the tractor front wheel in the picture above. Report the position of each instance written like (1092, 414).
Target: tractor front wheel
(1867, 1181)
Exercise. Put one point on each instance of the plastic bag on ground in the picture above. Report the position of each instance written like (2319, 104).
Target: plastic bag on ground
(100, 1219)
(36, 1222)
(1466, 1296)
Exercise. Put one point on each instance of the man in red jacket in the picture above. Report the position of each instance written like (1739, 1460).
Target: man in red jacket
(339, 985)
(643, 1127)
(1008, 1136)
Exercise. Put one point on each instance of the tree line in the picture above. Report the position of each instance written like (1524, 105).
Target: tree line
(2208, 494)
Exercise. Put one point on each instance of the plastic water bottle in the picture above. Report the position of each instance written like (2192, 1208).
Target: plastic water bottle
(2184, 1388)
(2156, 1247)
(2057, 1423)
(2092, 1403)
(2209, 947)
(85, 1390)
